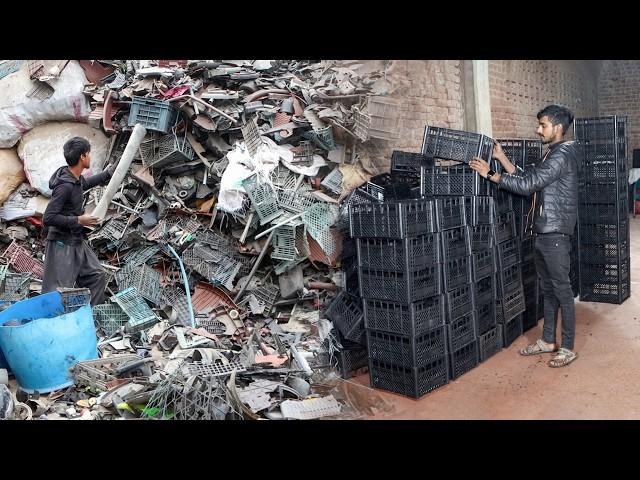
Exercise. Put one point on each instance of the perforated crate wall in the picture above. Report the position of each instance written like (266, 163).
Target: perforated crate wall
(456, 272)
(356, 197)
(110, 318)
(251, 136)
(461, 331)
(490, 343)
(333, 181)
(146, 280)
(453, 180)
(463, 359)
(263, 197)
(508, 252)
(445, 143)
(511, 330)
(510, 305)
(295, 201)
(170, 149)
(509, 279)
(460, 301)
(450, 212)
(482, 237)
(73, 298)
(346, 313)
(350, 360)
(412, 318)
(400, 286)
(266, 295)
(399, 254)
(485, 316)
(21, 260)
(483, 263)
(412, 382)
(406, 350)
(392, 219)
(456, 243)
(479, 210)
(152, 114)
(140, 315)
(177, 299)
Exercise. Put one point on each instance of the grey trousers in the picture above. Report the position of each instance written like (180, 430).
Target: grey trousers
(73, 266)
(553, 257)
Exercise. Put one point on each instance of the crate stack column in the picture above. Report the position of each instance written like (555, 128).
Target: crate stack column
(603, 213)
(399, 273)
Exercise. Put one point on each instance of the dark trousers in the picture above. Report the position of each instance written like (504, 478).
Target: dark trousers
(553, 257)
(72, 266)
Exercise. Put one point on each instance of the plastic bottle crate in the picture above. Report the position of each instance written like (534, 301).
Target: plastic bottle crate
(509, 279)
(406, 167)
(485, 316)
(399, 254)
(401, 191)
(350, 360)
(513, 148)
(345, 311)
(350, 276)
(508, 252)
(406, 350)
(456, 243)
(511, 330)
(529, 272)
(479, 210)
(528, 248)
(152, 114)
(490, 343)
(392, 219)
(503, 201)
(604, 252)
(349, 248)
(403, 287)
(459, 302)
(604, 292)
(461, 331)
(483, 264)
(74, 298)
(603, 192)
(510, 305)
(608, 272)
(529, 319)
(404, 318)
(412, 382)
(505, 227)
(602, 212)
(450, 213)
(482, 237)
(454, 180)
(448, 144)
(358, 196)
(597, 127)
(463, 359)
(456, 272)
(603, 232)
(484, 290)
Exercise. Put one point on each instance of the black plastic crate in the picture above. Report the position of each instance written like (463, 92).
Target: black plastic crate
(605, 292)
(358, 196)
(453, 180)
(509, 279)
(482, 237)
(483, 264)
(510, 306)
(346, 314)
(604, 252)
(463, 359)
(152, 114)
(508, 252)
(603, 232)
(479, 210)
(505, 227)
(608, 272)
(448, 144)
(456, 272)
(595, 128)
(406, 350)
(485, 316)
(511, 330)
(350, 360)
(530, 319)
(406, 167)
(450, 213)
(602, 212)
(503, 201)
(350, 276)
(412, 382)
(456, 243)
(489, 343)
(405, 319)
(484, 290)
(528, 248)
(392, 219)
(603, 193)
(74, 298)
(399, 254)
(459, 302)
(529, 272)
(522, 152)
(461, 331)
(403, 287)
(401, 191)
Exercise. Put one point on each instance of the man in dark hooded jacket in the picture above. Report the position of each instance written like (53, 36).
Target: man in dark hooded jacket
(69, 261)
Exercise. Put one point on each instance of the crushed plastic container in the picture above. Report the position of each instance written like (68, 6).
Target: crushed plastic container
(40, 342)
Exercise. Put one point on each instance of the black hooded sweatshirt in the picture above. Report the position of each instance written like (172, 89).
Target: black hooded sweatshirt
(61, 216)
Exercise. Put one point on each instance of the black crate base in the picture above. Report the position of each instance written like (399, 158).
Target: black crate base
(411, 382)
(529, 319)
(346, 313)
(511, 330)
(404, 319)
(350, 361)
(463, 359)
(490, 343)
(405, 350)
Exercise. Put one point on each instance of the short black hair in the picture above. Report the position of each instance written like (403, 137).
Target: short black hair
(74, 148)
(557, 114)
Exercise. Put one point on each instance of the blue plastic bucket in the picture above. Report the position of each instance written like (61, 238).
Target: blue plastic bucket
(41, 351)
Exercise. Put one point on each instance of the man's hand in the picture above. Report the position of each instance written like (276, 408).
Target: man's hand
(480, 166)
(87, 220)
(498, 152)
(111, 168)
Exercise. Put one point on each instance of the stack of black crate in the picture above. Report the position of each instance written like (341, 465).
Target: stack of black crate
(603, 225)
(399, 273)
(471, 300)
(525, 153)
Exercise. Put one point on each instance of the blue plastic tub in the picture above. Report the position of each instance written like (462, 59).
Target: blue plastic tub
(47, 342)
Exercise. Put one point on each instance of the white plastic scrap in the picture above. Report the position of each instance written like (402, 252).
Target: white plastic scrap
(310, 408)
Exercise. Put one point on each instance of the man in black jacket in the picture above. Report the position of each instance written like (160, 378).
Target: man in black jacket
(554, 183)
(69, 261)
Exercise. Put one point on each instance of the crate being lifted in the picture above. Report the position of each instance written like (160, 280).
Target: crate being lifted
(447, 144)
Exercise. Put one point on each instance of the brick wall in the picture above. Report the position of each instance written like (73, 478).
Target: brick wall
(619, 94)
(521, 88)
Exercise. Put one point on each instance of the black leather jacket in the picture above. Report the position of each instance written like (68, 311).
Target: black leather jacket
(556, 181)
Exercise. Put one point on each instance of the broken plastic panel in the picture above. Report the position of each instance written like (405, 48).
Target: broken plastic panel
(333, 181)
(207, 297)
(177, 299)
(284, 241)
(304, 155)
(167, 150)
(296, 201)
(211, 325)
(146, 280)
(310, 408)
(263, 197)
(97, 374)
(212, 370)
(22, 261)
(110, 318)
(266, 296)
(138, 256)
(251, 136)
(322, 137)
(140, 315)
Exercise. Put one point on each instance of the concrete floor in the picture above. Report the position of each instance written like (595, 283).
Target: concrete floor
(602, 383)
